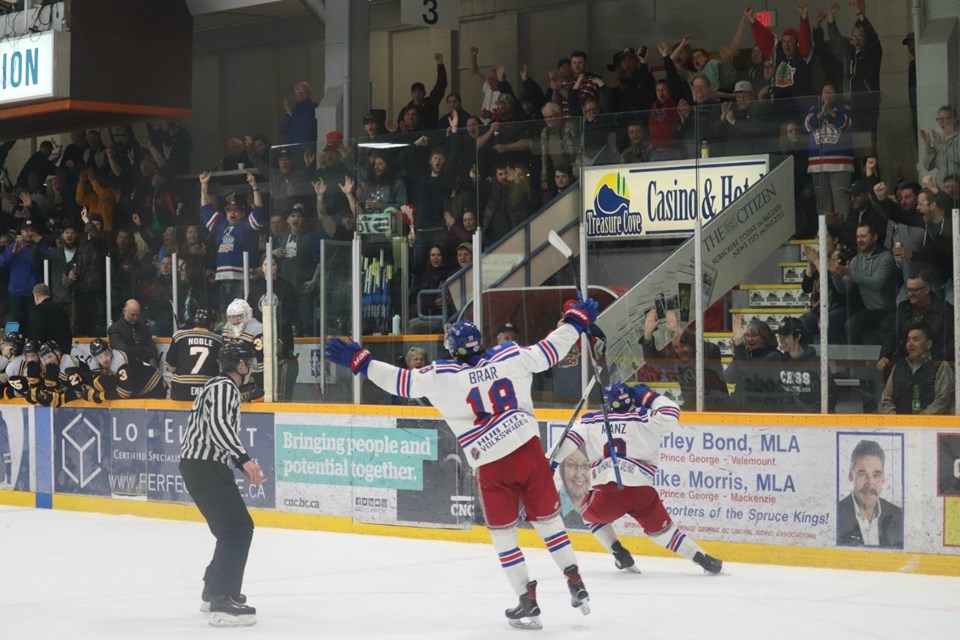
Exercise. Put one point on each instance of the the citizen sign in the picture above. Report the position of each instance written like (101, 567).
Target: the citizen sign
(84, 438)
(26, 67)
(663, 199)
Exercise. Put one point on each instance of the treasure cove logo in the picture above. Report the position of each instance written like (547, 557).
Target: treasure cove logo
(611, 215)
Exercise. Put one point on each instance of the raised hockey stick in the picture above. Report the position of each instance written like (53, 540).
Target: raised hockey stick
(576, 413)
(598, 371)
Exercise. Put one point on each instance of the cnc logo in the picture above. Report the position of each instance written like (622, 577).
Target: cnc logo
(84, 438)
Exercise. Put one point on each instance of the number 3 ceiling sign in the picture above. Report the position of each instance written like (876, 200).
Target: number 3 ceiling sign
(442, 14)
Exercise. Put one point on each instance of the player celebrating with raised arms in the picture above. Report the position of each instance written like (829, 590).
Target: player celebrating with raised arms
(638, 421)
(484, 395)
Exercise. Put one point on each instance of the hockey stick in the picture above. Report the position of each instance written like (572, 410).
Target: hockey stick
(598, 370)
(576, 413)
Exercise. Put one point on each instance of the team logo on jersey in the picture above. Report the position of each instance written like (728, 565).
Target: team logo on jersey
(611, 215)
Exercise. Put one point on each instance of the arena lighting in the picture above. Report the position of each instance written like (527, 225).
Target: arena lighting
(382, 145)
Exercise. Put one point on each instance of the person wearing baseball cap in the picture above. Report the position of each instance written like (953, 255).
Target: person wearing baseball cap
(507, 333)
(799, 370)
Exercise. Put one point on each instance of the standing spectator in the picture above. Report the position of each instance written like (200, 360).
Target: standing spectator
(287, 300)
(96, 192)
(942, 148)
(290, 182)
(158, 300)
(642, 418)
(233, 234)
(909, 42)
(489, 85)
(753, 368)
(43, 163)
(745, 122)
(22, 259)
(508, 204)
(836, 302)
(258, 151)
(50, 321)
(299, 123)
(791, 56)
(700, 122)
(297, 253)
(860, 212)
(130, 335)
(428, 314)
(459, 232)
(920, 383)
(211, 445)
(663, 120)
(792, 144)
(429, 106)
(860, 58)
(798, 371)
(511, 467)
(830, 159)
(430, 197)
(91, 284)
(873, 274)
(130, 271)
(65, 272)
(513, 138)
(905, 224)
(454, 104)
(383, 188)
(634, 89)
(936, 249)
(558, 142)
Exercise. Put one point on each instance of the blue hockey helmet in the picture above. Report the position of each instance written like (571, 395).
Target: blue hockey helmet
(464, 340)
(618, 396)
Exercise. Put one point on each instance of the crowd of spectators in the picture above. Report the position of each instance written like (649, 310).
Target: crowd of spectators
(811, 91)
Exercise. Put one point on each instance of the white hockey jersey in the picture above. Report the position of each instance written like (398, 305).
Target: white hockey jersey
(487, 405)
(636, 436)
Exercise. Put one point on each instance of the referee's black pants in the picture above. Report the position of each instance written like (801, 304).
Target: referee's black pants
(213, 488)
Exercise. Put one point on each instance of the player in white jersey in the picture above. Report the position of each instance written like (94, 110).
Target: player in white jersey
(485, 398)
(242, 327)
(639, 419)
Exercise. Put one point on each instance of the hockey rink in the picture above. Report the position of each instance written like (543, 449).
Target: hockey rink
(80, 575)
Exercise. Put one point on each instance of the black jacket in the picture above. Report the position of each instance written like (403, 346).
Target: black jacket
(891, 524)
(134, 340)
(50, 322)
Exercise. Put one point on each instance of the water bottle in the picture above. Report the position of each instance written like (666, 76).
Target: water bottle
(395, 329)
(704, 149)
(915, 403)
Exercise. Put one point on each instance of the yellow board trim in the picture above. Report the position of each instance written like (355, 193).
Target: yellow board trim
(854, 559)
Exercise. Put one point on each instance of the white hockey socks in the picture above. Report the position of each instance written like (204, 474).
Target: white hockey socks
(507, 545)
(554, 534)
(605, 533)
(677, 541)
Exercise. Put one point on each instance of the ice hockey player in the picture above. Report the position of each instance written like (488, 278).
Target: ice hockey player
(191, 359)
(119, 377)
(639, 418)
(64, 377)
(23, 371)
(10, 348)
(242, 327)
(484, 395)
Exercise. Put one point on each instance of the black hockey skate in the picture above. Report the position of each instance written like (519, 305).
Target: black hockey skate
(227, 612)
(623, 559)
(709, 563)
(579, 598)
(205, 599)
(526, 615)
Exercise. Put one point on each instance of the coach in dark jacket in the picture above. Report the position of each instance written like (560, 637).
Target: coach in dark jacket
(130, 335)
(50, 321)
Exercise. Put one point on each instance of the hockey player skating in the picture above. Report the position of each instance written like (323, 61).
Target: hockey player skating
(485, 398)
(638, 421)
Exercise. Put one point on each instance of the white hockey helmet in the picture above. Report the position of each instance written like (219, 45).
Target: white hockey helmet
(239, 312)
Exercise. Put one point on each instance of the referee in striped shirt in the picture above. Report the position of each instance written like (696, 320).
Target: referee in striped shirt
(211, 445)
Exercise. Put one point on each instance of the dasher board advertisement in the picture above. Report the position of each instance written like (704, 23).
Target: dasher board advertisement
(662, 199)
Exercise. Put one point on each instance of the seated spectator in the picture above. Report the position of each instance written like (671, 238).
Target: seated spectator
(563, 177)
(918, 383)
(194, 247)
(831, 151)
(431, 306)
(236, 157)
(416, 358)
(258, 152)
(639, 150)
(798, 371)
(464, 255)
(922, 305)
(700, 120)
(599, 135)
(459, 232)
(745, 121)
(507, 333)
(753, 368)
(873, 274)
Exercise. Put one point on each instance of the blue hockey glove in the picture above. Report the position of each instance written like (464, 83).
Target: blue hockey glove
(643, 395)
(582, 314)
(348, 354)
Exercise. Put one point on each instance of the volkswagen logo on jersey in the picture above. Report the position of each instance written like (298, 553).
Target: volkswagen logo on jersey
(611, 215)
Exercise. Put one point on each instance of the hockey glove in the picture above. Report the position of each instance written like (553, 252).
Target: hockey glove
(348, 354)
(582, 314)
(643, 396)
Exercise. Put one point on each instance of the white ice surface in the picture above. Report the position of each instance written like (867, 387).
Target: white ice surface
(75, 576)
